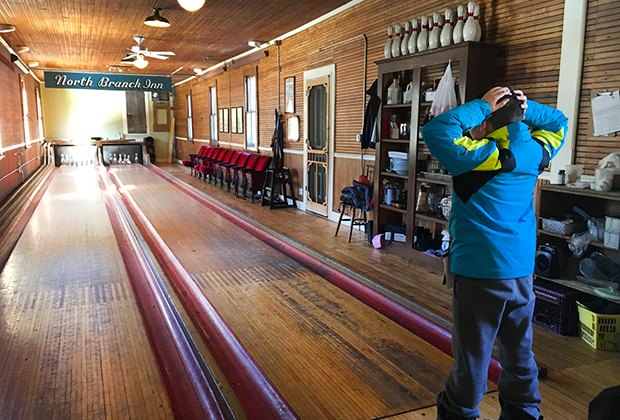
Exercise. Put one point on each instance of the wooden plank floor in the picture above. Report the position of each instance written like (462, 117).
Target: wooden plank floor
(329, 355)
(72, 344)
(563, 356)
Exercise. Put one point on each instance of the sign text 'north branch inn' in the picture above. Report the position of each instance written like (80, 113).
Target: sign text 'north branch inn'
(106, 81)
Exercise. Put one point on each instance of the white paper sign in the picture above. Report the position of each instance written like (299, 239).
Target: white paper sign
(606, 113)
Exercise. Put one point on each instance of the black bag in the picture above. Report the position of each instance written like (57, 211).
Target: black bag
(547, 263)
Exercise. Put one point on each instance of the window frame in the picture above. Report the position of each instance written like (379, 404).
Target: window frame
(213, 123)
(190, 116)
(251, 111)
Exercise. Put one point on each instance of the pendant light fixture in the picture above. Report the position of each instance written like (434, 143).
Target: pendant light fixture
(191, 5)
(140, 62)
(156, 19)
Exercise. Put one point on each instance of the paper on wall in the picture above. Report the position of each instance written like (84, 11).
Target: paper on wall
(606, 113)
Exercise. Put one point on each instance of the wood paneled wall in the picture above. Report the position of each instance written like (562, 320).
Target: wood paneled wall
(18, 163)
(601, 71)
(529, 32)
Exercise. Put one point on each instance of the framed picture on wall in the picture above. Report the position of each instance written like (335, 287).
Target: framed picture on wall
(233, 120)
(225, 120)
(220, 119)
(289, 95)
(240, 119)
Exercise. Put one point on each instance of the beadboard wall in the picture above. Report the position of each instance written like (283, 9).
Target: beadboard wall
(12, 127)
(529, 33)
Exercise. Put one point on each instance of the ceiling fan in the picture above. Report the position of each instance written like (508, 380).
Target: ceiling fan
(139, 53)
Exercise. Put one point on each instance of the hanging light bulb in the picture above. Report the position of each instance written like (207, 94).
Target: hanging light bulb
(140, 62)
(191, 5)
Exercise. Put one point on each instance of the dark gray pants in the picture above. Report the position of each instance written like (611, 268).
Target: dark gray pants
(484, 310)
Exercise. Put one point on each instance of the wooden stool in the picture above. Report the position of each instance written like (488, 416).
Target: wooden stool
(355, 220)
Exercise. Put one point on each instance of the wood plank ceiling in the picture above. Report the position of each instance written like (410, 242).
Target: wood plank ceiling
(94, 35)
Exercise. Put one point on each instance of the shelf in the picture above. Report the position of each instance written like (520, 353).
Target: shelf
(392, 106)
(567, 237)
(432, 181)
(399, 141)
(577, 285)
(394, 175)
(585, 192)
(430, 218)
(395, 209)
(426, 103)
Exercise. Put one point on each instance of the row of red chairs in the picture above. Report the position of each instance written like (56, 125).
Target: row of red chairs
(245, 171)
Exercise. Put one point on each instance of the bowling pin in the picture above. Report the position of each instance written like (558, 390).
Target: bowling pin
(469, 29)
(445, 38)
(404, 43)
(413, 38)
(457, 32)
(433, 36)
(387, 49)
(396, 40)
(422, 41)
(477, 22)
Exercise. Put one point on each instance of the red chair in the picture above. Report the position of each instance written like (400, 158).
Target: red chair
(254, 178)
(237, 175)
(205, 153)
(200, 160)
(205, 167)
(189, 163)
(227, 169)
(224, 158)
(219, 167)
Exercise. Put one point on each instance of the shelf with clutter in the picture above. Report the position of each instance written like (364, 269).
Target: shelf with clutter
(411, 188)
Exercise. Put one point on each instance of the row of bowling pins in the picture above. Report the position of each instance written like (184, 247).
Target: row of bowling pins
(77, 160)
(434, 33)
(122, 159)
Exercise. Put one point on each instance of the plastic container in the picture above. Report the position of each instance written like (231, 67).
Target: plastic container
(562, 227)
(600, 331)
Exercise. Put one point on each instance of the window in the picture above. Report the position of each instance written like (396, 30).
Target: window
(136, 112)
(213, 115)
(190, 125)
(25, 114)
(251, 115)
(37, 95)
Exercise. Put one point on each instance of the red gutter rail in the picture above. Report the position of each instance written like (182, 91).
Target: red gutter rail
(427, 330)
(187, 387)
(256, 393)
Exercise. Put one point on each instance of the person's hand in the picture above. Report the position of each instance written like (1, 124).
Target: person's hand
(521, 98)
(494, 95)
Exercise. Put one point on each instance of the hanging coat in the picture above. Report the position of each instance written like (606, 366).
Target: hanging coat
(369, 129)
(277, 143)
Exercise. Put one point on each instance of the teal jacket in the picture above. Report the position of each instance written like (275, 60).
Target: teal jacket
(492, 222)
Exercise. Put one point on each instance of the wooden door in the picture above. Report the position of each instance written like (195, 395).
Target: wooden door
(317, 144)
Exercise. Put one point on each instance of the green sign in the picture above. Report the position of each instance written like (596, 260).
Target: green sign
(107, 81)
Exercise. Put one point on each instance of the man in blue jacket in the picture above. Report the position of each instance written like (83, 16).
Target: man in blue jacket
(495, 148)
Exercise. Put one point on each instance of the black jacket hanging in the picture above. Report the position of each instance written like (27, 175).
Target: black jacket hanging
(370, 117)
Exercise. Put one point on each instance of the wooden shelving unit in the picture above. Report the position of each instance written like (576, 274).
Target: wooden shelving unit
(473, 65)
(558, 200)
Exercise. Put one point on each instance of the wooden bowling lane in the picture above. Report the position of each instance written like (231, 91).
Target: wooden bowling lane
(329, 355)
(72, 340)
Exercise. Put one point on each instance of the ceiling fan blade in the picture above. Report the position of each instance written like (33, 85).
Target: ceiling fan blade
(162, 52)
(160, 57)
(128, 58)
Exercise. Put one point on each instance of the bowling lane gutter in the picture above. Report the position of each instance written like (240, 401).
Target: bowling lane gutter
(186, 385)
(10, 236)
(259, 397)
(429, 331)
